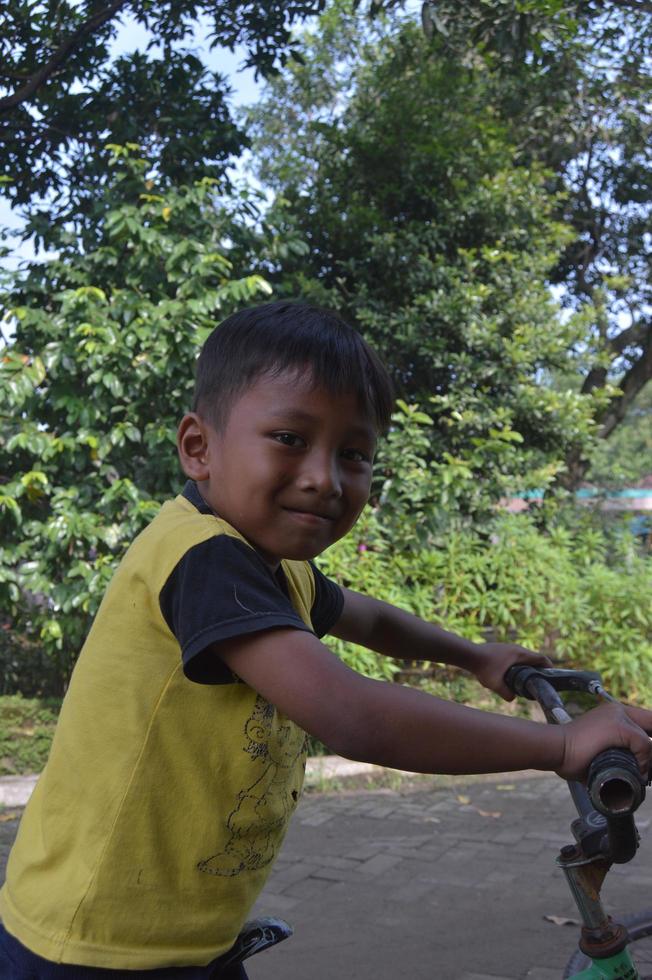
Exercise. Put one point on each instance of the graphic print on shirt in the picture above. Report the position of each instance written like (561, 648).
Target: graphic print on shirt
(258, 821)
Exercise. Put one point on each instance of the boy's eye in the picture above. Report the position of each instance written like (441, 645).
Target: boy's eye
(289, 439)
(356, 456)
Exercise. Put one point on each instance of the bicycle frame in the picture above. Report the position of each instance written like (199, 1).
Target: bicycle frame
(618, 967)
(585, 878)
(601, 839)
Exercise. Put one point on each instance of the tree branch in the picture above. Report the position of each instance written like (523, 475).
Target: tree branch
(634, 336)
(639, 334)
(15, 76)
(616, 409)
(596, 378)
(634, 380)
(60, 55)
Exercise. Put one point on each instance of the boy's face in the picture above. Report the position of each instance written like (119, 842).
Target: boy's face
(291, 469)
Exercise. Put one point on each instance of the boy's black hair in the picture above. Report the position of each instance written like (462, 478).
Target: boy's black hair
(282, 336)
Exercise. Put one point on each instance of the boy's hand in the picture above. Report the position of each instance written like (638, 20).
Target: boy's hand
(494, 660)
(605, 727)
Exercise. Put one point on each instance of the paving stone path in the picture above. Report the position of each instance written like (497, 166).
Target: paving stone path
(430, 884)
(446, 884)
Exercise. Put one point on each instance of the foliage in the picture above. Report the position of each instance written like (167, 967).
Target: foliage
(428, 185)
(346, 562)
(428, 177)
(26, 730)
(63, 95)
(423, 232)
(26, 668)
(581, 597)
(627, 456)
(93, 384)
(572, 81)
(305, 100)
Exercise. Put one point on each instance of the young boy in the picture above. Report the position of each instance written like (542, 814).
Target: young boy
(179, 754)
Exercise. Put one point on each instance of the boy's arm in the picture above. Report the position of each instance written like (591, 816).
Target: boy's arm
(402, 728)
(386, 629)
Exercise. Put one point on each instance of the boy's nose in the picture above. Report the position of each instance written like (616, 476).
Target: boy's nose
(321, 473)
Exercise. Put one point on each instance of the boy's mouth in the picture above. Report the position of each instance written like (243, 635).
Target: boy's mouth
(310, 516)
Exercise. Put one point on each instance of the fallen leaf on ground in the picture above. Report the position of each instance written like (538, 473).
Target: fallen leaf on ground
(560, 920)
(464, 799)
(505, 787)
(490, 813)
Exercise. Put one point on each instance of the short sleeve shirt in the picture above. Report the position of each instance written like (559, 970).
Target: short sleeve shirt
(221, 588)
(170, 782)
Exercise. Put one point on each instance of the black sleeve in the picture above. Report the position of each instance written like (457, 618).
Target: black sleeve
(221, 588)
(329, 600)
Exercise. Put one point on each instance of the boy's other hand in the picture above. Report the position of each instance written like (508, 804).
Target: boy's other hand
(605, 727)
(495, 659)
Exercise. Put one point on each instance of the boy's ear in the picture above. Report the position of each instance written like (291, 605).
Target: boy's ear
(192, 446)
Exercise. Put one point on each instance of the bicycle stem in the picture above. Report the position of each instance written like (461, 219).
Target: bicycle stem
(601, 936)
(556, 714)
(585, 873)
(585, 877)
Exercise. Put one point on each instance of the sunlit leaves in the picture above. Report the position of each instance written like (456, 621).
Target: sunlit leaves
(94, 381)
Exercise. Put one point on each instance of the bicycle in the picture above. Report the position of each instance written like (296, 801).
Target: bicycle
(604, 831)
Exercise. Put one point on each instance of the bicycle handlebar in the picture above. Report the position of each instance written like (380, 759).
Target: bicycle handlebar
(518, 676)
(615, 787)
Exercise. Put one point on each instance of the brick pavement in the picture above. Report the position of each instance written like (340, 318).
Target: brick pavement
(452, 884)
(447, 884)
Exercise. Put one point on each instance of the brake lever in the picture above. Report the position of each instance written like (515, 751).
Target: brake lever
(589, 681)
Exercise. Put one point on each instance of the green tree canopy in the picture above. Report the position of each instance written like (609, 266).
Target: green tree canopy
(411, 132)
(63, 97)
(95, 379)
(573, 82)
(421, 229)
(626, 458)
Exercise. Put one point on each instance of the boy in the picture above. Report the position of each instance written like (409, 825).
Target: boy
(179, 754)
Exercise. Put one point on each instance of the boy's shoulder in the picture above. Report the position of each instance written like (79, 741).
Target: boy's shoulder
(178, 528)
(188, 520)
(190, 558)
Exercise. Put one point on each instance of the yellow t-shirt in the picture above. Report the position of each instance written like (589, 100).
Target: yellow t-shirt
(164, 801)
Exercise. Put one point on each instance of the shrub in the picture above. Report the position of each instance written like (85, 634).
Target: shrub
(26, 729)
(581, 596)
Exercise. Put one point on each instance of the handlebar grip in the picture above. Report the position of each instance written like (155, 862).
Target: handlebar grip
(615, 784)
(517, 677)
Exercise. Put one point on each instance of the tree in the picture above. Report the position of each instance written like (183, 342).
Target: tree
(62, 97)
(573, 81)
(95, 379)
(421, 229)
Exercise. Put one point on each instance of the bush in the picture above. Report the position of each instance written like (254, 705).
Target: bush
(26, 668)
(95, 374)
(26, 729)
(582, 596)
